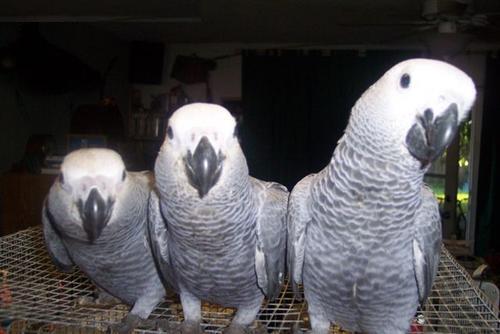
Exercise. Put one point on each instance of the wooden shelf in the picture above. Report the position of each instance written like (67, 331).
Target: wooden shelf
(147, 126)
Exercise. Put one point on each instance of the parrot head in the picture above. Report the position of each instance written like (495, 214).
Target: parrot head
(92, 178)
(420, 104)
(201, 137)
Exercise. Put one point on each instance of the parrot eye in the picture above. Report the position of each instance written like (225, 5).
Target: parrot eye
(124, 175)
(405, 80)
(170, 133)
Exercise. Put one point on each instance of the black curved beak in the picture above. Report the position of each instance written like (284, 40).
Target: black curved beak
(429, 136)
(203, 168)
(95, 214)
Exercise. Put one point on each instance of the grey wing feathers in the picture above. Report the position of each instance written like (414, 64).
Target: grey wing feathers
(426, 243)
(270, 250)
(55, 247)
(298, 217)
(158, 239)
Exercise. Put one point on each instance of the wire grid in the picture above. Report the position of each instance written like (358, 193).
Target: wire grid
(44, 300)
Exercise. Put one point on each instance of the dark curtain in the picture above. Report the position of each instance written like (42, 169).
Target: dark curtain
(296, 106)
(487, 216)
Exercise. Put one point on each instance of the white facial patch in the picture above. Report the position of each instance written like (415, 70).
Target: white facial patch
(432, 84)
(192, 122)
(92, 162)
(403, 94)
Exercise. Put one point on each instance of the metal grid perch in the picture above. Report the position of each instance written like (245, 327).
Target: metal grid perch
(43, 299)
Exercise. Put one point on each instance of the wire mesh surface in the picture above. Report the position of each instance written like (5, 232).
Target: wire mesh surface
(42, 299)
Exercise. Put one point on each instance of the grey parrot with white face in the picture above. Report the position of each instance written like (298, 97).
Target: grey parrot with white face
(95, 217)
(222, 232)
(365, 232)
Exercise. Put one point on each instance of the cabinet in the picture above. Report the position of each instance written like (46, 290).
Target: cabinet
(21, 200)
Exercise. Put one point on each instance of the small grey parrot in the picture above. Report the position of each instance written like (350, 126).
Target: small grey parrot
(222, 232)
(364, 233)
(95, 216)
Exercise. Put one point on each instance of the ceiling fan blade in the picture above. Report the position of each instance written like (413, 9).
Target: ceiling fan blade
(489, 13)
(491, 27)
(375, 24)
(411, 33)
(94, 19)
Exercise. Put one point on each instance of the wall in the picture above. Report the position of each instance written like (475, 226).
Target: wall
(96, 48)
(12, 129)
(225, 80)
(24, 113)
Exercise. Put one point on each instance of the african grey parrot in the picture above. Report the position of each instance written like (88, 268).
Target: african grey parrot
(222, 232)
(364, 234)
(95, 216)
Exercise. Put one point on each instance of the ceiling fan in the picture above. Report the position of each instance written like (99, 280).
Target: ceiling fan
(446, 26)
(453, 16)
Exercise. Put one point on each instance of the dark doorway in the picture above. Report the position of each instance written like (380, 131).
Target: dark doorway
(297, 103)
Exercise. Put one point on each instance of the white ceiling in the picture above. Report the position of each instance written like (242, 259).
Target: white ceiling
(248, 21)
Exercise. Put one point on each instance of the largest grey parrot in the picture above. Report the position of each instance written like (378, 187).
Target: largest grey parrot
(95, 216)
(365, 232)
(222, 232)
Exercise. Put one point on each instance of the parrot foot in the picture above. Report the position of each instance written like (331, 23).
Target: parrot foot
(237, 329)
(126, 326)
(164, 325)
(260, 329)
(85, 300)
(190, 327)
(104, 298)
(296, 329)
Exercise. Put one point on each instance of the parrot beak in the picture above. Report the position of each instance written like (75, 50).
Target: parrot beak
(203, 168)
(95, 214)
(429, 136)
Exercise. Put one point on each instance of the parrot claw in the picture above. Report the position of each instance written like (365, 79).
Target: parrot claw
(237, 329)
(190, 327)
(164, 325)
(85, 300)
(104, 298)
(297, 330)
(260, 329)
(126, 326)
